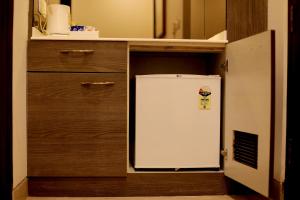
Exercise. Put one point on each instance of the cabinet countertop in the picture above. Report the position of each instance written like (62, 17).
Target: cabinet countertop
(148, 44)
(63, 37)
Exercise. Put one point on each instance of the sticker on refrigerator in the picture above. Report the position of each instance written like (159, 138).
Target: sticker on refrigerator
(204, 98)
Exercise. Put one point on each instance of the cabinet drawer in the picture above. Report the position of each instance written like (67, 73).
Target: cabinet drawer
(77, 124)
(77, 56)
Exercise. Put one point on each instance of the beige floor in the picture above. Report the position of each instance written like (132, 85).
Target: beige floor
(146, 198)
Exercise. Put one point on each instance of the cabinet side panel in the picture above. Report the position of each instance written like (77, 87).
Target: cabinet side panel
(246, 18)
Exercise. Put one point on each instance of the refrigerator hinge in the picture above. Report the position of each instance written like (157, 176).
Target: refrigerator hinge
(225, 65)
(224, 153)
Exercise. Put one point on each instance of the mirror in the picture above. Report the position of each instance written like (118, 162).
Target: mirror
(172, 19)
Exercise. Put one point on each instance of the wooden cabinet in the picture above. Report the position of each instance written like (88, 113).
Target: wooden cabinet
(77, 121)
(77, 117)
(77, 56)
(77, 130)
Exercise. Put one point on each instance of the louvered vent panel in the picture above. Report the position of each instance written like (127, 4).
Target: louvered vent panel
(245, 148)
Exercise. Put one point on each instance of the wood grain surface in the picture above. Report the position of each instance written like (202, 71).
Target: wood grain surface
(50, 56)
(208, 197)
(246, 18)
(169, 63)
(76, 130)
(136, 184)
(161, 48)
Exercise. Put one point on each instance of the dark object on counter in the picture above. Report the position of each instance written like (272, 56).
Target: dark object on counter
(77, 28)
(66, 2)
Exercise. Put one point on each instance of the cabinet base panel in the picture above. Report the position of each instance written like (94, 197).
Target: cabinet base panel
(138, 184)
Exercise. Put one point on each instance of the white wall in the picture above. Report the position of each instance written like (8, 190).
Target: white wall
(215, 17)
(54, 1)
(21, 8)
(115, 18)
(278, 21)
(174, 15)
(197, 19)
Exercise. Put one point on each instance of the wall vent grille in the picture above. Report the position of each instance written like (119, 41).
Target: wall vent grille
(245, 148)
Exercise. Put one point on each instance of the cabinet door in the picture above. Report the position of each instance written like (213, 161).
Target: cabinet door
(249, 100)
(77, 124)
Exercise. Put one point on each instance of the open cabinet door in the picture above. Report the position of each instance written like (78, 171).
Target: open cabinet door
(249, 84)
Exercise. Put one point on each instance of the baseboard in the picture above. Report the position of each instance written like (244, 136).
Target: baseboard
(137, 184)
(276, 190)
(20, 192)
(140, 185)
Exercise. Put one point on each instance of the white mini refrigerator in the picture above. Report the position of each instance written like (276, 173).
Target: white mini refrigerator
(177, 121)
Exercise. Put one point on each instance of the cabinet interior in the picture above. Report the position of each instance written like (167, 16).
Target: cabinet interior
(145, 63)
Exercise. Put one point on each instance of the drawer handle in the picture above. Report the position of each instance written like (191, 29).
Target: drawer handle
(80, 51)
(86, 84)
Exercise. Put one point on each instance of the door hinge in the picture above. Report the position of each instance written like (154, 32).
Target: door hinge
(225, 66)
(291, 18)
(224, 153)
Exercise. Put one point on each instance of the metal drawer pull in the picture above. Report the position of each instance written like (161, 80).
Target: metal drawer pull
(82, 51)
(96, 83)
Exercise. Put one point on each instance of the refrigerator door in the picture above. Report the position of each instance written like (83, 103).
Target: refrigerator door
(177, 121)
